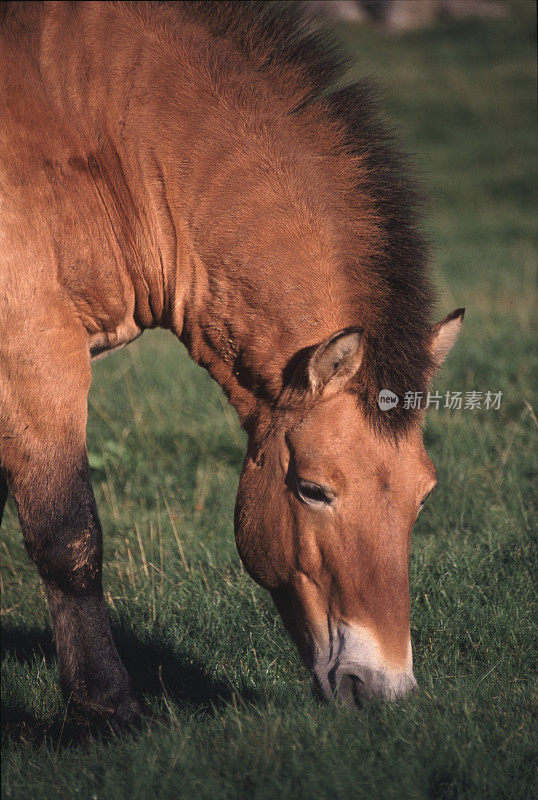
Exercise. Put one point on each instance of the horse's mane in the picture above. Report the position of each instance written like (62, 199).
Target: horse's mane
(278, 38)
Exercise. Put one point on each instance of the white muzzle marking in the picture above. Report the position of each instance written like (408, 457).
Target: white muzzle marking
(353, 668)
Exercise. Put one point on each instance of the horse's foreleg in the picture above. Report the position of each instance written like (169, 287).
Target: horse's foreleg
(46, 380)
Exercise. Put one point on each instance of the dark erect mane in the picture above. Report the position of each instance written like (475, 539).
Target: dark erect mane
(278, 39)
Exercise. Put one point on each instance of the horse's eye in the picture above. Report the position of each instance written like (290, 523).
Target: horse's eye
(424, 500)
(312, 493)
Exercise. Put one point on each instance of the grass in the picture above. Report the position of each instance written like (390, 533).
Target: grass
(202, 642)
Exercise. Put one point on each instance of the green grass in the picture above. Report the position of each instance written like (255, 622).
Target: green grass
(202, 642)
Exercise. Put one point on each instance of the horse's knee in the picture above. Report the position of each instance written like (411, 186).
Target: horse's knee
(62, 533)
(67, 557)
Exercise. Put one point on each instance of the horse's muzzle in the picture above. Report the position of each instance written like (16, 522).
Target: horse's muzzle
(357, 673)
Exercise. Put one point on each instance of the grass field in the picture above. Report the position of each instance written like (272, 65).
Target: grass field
(202, 642)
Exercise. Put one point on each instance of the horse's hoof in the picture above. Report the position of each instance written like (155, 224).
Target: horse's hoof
(127, 712)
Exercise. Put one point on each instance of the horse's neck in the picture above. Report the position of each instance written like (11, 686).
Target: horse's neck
(222, 190)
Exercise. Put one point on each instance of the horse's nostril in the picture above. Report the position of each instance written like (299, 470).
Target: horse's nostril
(351, 683)
(350, 689)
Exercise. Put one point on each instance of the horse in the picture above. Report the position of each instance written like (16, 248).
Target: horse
(194, 166)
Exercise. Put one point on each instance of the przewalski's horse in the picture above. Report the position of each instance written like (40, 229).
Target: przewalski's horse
(186, 166)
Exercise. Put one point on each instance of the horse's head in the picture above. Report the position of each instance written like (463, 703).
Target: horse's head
(324, 514)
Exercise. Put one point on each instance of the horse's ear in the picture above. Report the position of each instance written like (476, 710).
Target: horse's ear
(444, 335)
(335, 361)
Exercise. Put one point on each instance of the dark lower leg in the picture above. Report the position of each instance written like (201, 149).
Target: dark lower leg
(63, 537)
(92, 673)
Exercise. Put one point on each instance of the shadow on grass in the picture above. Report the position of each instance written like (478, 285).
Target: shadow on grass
(156, 669)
